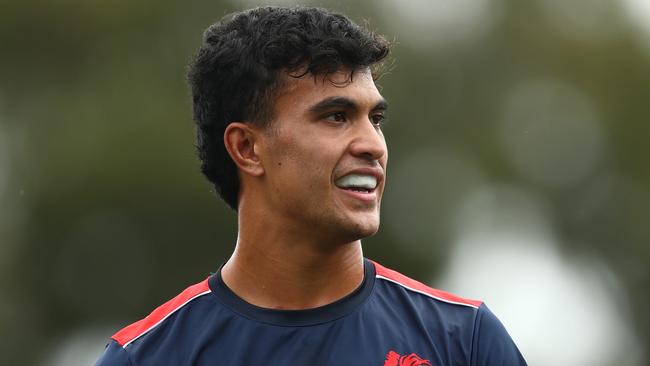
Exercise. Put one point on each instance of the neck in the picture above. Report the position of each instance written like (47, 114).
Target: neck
(279, 268)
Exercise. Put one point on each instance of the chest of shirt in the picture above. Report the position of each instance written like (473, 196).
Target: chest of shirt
(372, 335)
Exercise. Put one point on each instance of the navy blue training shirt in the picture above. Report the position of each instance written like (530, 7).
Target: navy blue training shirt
(389, 320)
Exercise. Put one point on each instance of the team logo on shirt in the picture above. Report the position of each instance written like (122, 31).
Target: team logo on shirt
(394, 359)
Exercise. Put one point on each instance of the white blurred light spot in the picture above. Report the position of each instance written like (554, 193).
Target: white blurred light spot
(551, 133)
(83, 347)
(559, 312)
(584, 20)
(424, 189)
(638, 12)
(425, 23)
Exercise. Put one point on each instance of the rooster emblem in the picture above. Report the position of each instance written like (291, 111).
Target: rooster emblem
(394, 359)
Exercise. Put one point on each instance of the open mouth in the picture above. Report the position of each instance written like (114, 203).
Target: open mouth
(357, 183)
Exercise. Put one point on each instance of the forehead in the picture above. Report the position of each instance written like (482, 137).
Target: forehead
(306, 90)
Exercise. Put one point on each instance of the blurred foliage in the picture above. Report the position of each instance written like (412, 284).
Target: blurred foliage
(104, 211)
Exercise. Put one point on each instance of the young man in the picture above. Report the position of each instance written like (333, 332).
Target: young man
(289, 132)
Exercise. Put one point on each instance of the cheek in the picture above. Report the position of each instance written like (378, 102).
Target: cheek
(301, 157)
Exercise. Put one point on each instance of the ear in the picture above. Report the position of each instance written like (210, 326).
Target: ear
(240, 139)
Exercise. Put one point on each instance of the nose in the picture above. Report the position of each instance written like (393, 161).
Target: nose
(368, 142)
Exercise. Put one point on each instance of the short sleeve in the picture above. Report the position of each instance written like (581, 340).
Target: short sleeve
(114, 355)
(491, 344)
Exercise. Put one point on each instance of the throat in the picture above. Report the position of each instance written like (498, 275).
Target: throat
(289, 285)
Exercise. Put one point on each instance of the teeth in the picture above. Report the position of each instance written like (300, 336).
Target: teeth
(357, 181)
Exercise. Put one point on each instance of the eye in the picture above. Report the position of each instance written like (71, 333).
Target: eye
(336, 117)
(378, 119)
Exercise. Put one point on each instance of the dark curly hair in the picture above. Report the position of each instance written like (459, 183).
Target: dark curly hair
(237, 72)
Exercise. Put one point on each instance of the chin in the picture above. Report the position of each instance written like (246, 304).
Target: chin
(364, 229)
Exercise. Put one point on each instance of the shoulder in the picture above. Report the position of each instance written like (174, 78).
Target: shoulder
(416, 287)
(156, 318)
(482, 337)
(448, 321)
(492, 343)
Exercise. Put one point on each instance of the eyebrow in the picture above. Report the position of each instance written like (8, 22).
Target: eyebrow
(330, 103)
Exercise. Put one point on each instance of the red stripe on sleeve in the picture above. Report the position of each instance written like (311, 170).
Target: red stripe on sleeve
(420, 287)
(130, 333)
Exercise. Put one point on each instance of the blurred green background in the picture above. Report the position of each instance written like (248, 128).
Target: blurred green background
(518, 170)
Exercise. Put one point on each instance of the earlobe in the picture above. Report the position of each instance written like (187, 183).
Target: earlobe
(240, 141)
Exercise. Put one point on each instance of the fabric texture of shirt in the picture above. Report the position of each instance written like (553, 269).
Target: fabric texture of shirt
(389, 320)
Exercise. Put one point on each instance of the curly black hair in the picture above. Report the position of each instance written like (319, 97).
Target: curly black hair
(237, 72)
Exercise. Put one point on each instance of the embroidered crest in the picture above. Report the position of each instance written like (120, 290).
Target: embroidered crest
(394, 359)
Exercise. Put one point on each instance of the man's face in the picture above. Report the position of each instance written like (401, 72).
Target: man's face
(325, 155)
